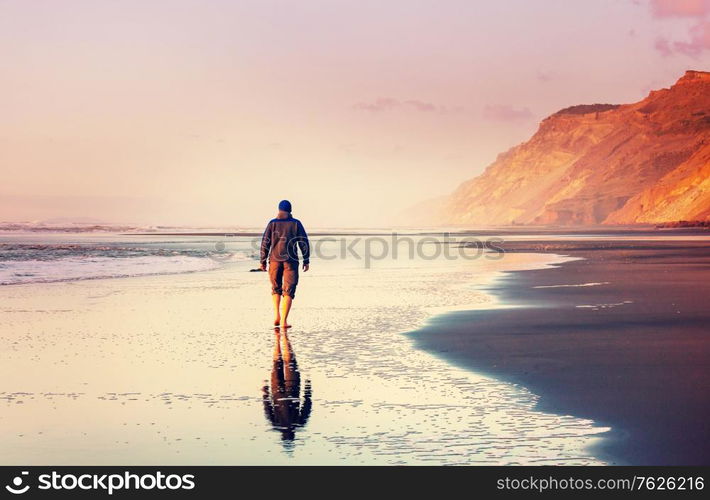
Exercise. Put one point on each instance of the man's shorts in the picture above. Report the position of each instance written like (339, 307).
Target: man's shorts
(284, 277)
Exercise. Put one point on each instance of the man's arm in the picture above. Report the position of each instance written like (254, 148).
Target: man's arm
(304, 245)
(265, 246)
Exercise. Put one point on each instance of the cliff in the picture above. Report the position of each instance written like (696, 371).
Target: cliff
(647, 162)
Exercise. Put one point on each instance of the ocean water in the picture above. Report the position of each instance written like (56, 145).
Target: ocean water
(33, 258)
(167, 355)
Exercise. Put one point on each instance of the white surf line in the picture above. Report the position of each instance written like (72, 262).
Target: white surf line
(574, 286)
(596, 307)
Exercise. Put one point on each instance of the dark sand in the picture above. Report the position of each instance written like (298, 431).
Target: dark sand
(642, 368)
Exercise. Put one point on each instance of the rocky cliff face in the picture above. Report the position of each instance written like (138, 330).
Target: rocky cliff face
(646, 162)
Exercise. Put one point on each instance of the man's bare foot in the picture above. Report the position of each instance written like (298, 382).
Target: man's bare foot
(277, 321)
(285, 325)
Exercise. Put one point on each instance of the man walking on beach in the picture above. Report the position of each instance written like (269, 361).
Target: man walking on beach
(282, 237)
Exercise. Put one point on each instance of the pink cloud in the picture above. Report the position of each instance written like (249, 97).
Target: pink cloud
(699, 41)
(421, 105)
(505, 112)
(663, 46)
(378, 105)
(388, 104)
(679, 8)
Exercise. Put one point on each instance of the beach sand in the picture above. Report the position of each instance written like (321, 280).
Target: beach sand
(175, 369)
(622, 337)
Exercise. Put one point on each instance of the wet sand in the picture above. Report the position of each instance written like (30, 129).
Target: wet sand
(630, 349)
(185, 369)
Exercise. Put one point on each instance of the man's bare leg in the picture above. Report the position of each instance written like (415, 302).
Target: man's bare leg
(285, 309)
(277, 301)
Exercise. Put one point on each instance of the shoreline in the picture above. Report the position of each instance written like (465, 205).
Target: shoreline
(612, 350)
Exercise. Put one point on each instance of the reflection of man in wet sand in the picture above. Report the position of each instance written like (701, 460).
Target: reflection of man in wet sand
(282, 402)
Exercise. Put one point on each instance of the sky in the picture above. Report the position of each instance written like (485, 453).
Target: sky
(208, 112)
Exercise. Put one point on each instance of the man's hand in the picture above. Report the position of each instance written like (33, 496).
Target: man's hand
(305, 267)
(262, 267)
